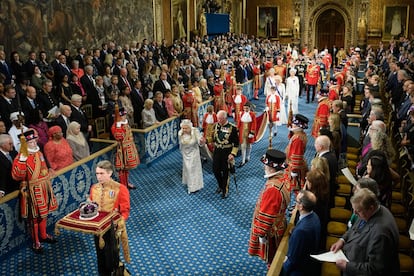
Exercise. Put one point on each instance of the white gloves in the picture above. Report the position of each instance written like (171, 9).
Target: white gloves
(118, 124)
(22, 158)
(262, 240)
(293, 174)
(266, 108)
(250, 136)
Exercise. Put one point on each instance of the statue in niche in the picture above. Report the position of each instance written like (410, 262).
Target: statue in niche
(203, 24)
(180, 20)
(296, 26)
(362, 25)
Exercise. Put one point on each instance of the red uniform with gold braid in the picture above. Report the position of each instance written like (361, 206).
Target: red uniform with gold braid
(37, 198)
(256, 83)
(312, 74)
(321, 115)
(295, 157)
(209, 119)
(126, 157)
(269, 220)
(219, 102)
(190, 107)
(111, 196)
(333, 92)
(280, 69)
(247, 127)
(239, 101)
(273, 103)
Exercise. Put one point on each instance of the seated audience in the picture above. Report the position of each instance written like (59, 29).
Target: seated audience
(7, 155)
(371, 245)
(77, 142)
(148, 114)
(57, 150)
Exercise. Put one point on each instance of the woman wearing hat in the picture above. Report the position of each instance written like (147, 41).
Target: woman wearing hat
(295, 151)
(126, 156)
(57, 150)
(269, 220)
(37, 198)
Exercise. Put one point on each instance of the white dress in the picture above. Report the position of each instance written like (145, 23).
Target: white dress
(292, 92)
(281, 92)
(268, 84)
(192, 170)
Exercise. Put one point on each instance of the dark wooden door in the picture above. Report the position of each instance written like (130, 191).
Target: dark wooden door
(330, 30)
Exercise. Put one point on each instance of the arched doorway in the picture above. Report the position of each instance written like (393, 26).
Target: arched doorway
(330, 29)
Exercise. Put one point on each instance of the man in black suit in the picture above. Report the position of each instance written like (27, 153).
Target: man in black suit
(78, 115)
(241, 72)
(81, 54)
(61, 70)
(88, 83)
(8, 104)
(162, 84)
(30, 106)
(63, 120)
(31, 63)
(137, 99)
(5, 68)
(123, 79)
(322, 147)
(97, 62)
(7, 155)
(160, 109)
(47, 99)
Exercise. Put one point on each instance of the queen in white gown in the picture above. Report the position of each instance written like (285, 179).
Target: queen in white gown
(292, 91)
(281, 92)
(190, 141)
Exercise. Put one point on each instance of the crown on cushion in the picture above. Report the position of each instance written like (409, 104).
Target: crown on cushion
(88, 210)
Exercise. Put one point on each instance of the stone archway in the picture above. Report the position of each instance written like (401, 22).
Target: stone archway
(315, 17)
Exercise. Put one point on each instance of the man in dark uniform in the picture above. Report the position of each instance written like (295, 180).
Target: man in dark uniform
(226, 144)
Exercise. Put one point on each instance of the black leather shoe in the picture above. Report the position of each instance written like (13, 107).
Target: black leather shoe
(49, 239)
(37, 249)
(218, 190)
(131, 187)
(241, 165)
(226, 195)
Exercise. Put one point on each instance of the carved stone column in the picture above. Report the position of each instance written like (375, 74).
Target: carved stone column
(362, 24)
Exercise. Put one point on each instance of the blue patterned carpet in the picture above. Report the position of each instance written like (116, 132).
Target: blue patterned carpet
(171, 232)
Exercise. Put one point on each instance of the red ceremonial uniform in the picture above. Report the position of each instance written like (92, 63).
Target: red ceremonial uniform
(269, 220)
(219, 102)
(190, 108)
(312, 74)
(333, 92)
(321, 116)
(126, 157)
(37, 199)
(281, 71)
(246, 126)
(256, 74)
(238, 102)
(273, 103)
(209, 119)
(295, 157)
(35, 174)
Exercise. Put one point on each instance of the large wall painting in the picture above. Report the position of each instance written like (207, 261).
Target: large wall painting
(57, 24)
